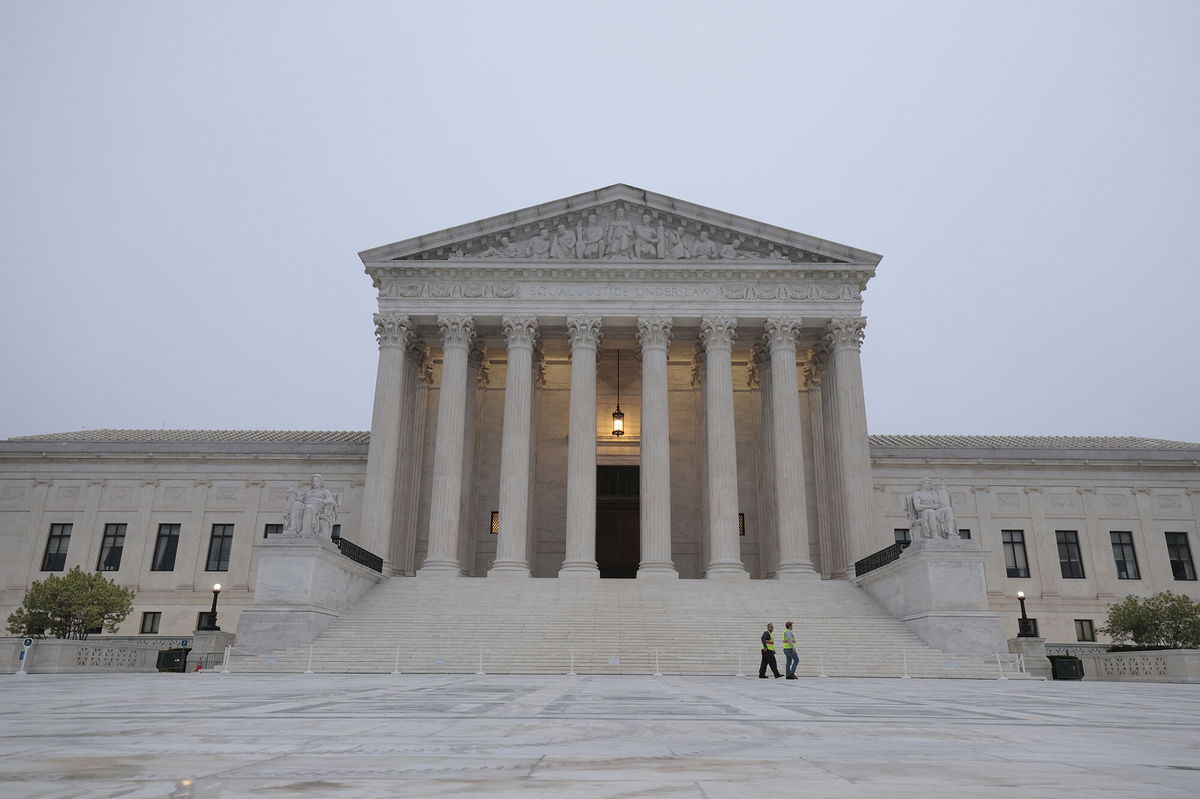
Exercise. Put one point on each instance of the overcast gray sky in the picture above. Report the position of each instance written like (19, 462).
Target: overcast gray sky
(184, 188)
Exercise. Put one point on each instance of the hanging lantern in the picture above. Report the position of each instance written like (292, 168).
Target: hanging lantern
(618, 417)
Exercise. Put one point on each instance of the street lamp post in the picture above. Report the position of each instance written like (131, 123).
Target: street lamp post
(212, 614)
(1025, 625)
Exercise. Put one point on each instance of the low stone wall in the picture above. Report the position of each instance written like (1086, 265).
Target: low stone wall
(55, 656)
(1162, 665)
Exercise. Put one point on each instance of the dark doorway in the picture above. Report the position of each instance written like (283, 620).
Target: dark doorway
(618, 523)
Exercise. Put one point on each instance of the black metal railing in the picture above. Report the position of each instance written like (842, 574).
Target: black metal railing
(881, 558)
(358, 554)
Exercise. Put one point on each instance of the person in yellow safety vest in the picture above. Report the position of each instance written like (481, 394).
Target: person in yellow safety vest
(768, 654)
(789, 652)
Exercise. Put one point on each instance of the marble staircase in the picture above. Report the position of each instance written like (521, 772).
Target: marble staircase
(521, 626)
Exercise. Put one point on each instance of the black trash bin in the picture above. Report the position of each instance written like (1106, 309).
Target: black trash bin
(1066, 667)
(173, 659)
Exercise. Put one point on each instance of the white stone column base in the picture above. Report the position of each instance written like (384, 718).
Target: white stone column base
(587, 571)
(726, 571)
(796, 573)
(509, 569)
(657, 571)
(447, 568)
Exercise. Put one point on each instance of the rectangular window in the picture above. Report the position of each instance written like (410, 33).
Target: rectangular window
(219, 546)
(495, 528)
(272, 529)
(55, 559)
(1180, 554)
(903, 535)
(150, 621)
(1014, 553)
(741, 524)
(165, 548)
(335, 532)
(1085, 630)
(1069, 558)
(964, 534)
(111, 548)
(1123, 554)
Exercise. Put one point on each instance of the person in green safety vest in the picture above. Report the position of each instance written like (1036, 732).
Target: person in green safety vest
(768, 654)
(789, 652)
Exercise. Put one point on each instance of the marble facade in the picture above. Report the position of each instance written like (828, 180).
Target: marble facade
(498, 343)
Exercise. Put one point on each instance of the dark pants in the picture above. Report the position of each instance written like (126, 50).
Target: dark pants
(768, 659)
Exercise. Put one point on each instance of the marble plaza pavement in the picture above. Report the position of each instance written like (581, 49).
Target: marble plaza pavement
(212, 735)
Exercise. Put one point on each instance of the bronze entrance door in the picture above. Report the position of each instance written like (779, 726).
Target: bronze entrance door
(618, 521)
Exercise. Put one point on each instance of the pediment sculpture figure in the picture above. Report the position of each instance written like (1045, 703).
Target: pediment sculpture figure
(705, 249)
(931, 512)
(591, 238)
(539, 245)
(647, 242)
(676, 248)
(564, 243)
(312, 511)
(620, 236)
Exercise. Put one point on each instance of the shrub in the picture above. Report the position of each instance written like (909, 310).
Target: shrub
(1165, 620)
(69, 606)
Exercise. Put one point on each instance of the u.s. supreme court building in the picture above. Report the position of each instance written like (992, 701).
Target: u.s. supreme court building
(620, 396)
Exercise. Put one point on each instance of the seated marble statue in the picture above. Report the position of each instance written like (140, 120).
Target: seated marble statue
(311, 512)
(930, 512)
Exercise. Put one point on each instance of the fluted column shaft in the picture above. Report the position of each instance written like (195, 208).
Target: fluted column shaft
(791, 510)
(512, 548)
(584, 335)
(394, 333)
(725, 558)
(654, 336)
(843, 340)
(445, 511)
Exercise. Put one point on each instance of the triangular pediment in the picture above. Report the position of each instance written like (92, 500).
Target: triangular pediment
(619, 223)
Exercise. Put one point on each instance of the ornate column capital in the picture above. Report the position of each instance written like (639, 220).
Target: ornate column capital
(654, 332)
(981, 489)
(718, 332)
(583, 332)
(782, 332)
(1086, 490)
(844, 332)
(457, 331)
(520, 331)
(392, 330)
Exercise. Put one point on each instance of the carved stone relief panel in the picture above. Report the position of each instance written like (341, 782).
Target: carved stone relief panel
(621, 231)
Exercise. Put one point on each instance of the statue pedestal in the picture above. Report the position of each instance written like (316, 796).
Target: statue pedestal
(938, 588)
(302, 585)
(1034, 651)
(208, 642)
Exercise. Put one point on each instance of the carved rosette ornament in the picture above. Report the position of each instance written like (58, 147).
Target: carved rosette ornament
(393, 330)
(583, 332)
(457, 331)
(654, 332)
(781, 333)
(718, 333)
(845, 332)
(520, 331)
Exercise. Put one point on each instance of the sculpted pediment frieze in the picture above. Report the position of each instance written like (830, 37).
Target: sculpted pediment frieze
(619, 223)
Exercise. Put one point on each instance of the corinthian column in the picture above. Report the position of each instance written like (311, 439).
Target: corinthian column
(654, 335)
(791, 509)
(852, 469)
(445, 507)
(724, 549)
(584, 335)
(394, 333)
(512, 548)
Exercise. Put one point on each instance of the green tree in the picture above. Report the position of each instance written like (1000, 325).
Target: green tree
(1165, 619)
(69, 606)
